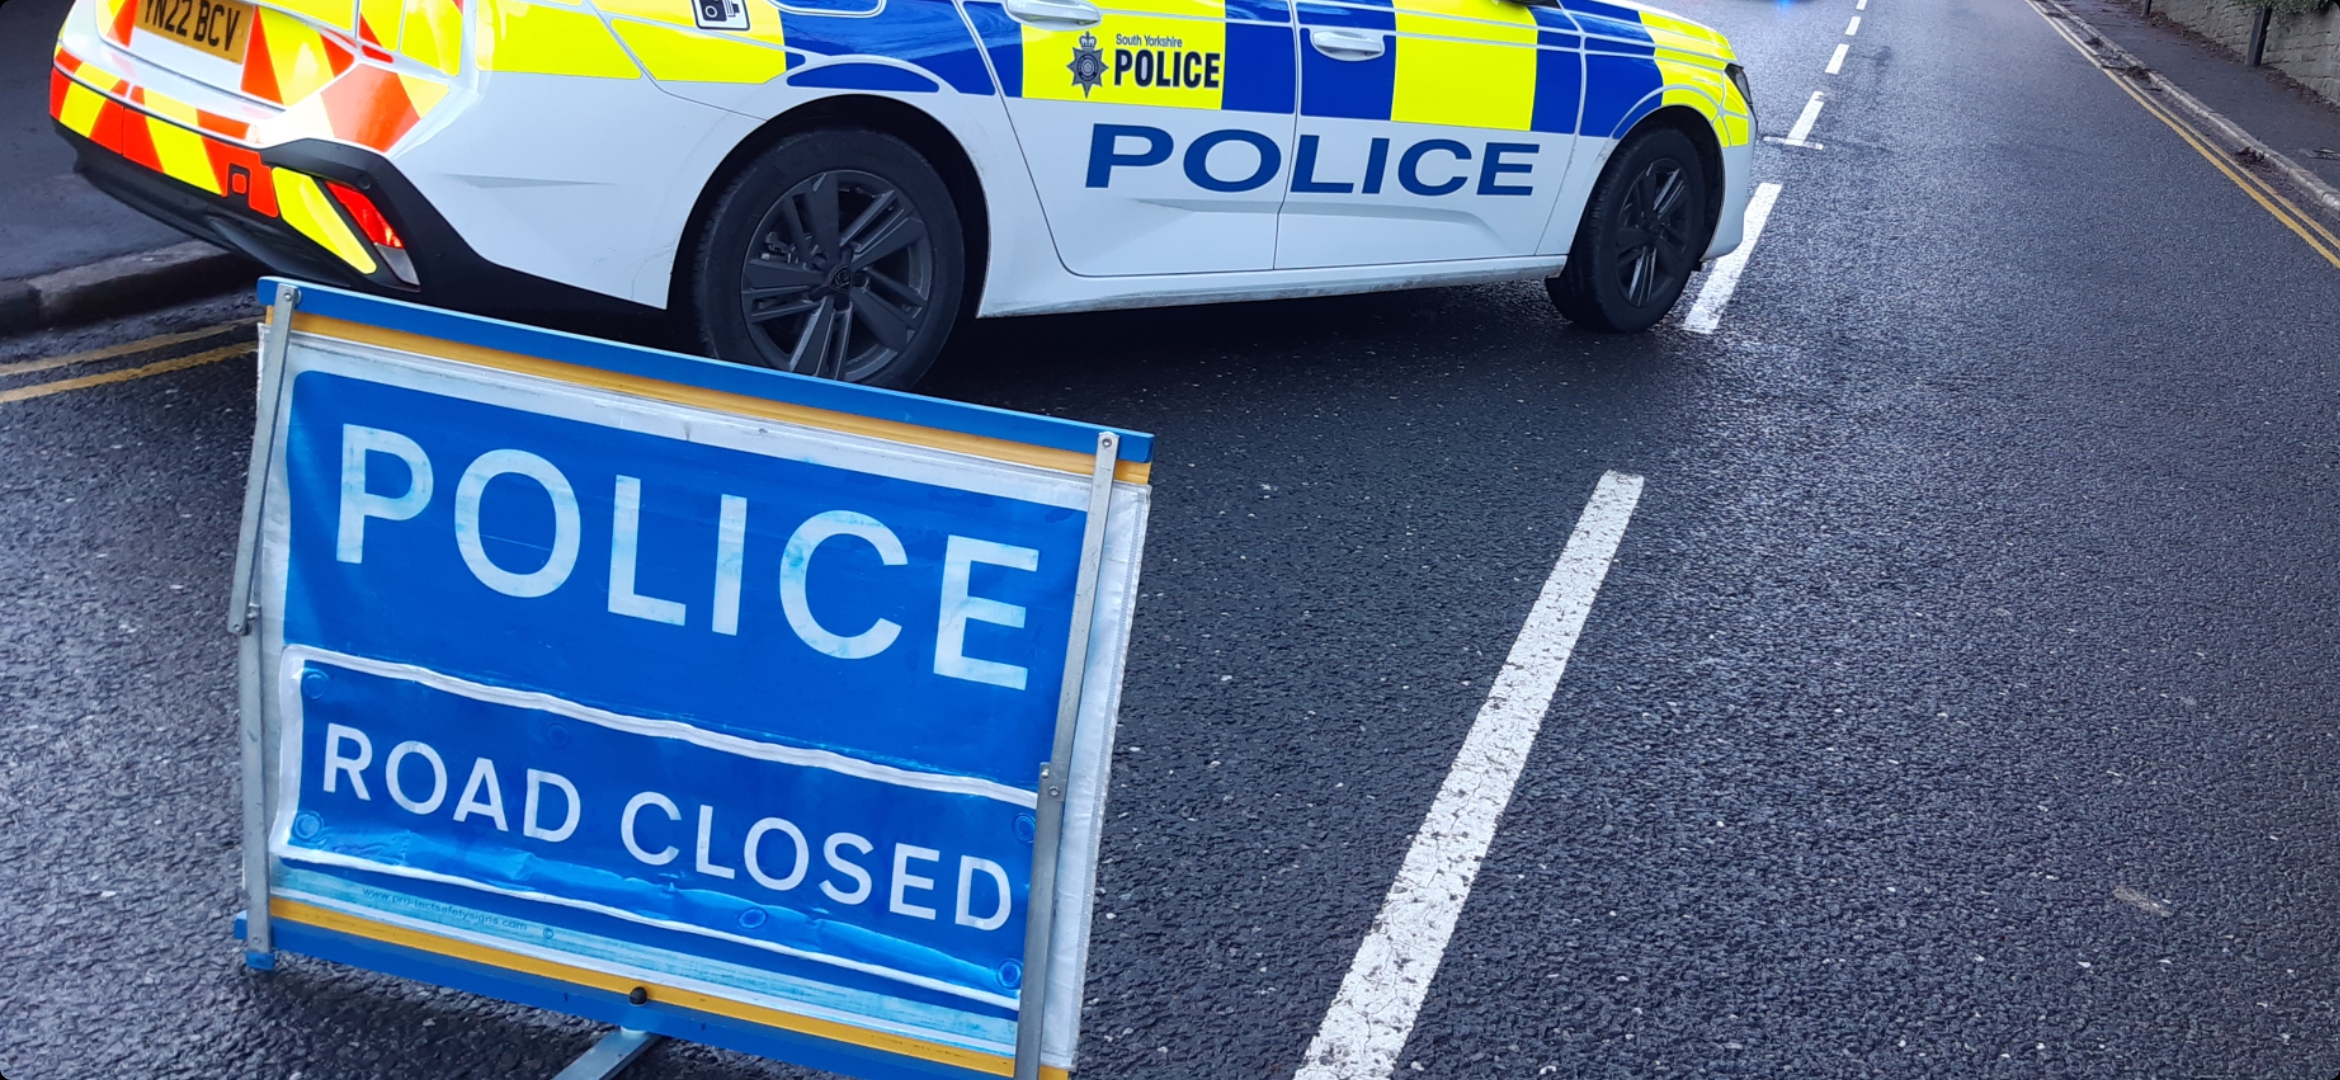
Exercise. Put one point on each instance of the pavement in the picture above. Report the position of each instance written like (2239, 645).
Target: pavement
(1958, 705)
(52, 219)
(2278, 109)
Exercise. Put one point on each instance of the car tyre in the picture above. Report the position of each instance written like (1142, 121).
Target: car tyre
(1645, 229)
(835, 253)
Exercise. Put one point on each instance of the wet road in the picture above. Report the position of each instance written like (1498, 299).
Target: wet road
(1958, 703)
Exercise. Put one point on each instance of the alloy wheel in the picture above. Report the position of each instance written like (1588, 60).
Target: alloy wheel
(838, 279)
(1654, 233)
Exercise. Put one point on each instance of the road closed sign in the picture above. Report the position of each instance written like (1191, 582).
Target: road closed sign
(718, 703)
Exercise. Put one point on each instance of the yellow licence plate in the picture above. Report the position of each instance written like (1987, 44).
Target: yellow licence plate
(218, 27)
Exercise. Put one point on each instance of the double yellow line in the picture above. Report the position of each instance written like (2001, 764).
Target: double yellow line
(2318, 237)
(159, 367)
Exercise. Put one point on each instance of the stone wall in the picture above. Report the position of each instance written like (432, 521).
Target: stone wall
(2305, 47)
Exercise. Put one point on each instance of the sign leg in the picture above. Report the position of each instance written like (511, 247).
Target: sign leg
(611, 1055)
(252, 736)
(1048, 835)
(243, 617)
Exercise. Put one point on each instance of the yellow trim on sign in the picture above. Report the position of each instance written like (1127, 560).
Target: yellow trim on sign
(420, 941)
(1133, 472)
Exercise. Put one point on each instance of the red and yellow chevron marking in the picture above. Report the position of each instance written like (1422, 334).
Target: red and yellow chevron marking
(207, 164)
(190, 157)
(434, 33)
(287, 59)
(370, 107)
(378, 23)
(87, 72)
(367, 106)
(304, 206)
(188, 115)
(332, 95)
(151, 101)
(120, 17)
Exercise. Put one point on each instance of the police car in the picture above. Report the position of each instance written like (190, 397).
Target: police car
(827, 186)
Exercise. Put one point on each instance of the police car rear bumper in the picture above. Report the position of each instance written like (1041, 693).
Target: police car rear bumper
(444, 270)
(265, 239)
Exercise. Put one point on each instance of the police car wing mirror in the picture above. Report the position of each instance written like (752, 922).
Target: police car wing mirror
(1054, 13)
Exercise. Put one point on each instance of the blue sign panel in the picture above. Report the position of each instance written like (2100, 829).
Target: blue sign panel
(749, 593)
(701, 700)
(663, 824)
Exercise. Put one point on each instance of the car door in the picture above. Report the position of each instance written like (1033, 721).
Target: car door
(1429, 130)
(1158, 132)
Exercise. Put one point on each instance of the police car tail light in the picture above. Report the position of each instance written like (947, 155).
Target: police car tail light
(377, 230)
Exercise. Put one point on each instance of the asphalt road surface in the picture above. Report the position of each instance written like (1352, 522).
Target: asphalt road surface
(1958, 703)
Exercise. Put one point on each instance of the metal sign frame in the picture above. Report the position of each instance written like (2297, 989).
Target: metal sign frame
(1110, 460)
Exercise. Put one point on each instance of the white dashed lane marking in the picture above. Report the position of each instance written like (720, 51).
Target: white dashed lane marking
(1374, 1013)
(1706, 312)
(1853, 27)
(1800, 134)
(1836, 62)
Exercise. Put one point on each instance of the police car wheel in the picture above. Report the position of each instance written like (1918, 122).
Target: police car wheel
(835, 254)
(1641, 236)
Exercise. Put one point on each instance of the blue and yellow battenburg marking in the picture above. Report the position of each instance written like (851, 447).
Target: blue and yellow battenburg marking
(1232, 55)
(668, 41)
(1585, 66)
(1459, 63)
(1632, 54)
(927, 42)
(1492, 64)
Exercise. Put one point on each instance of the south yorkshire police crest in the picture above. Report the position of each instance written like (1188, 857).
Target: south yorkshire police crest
(1088, 64)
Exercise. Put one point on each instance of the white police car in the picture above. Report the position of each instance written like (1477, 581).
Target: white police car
(826, 186)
